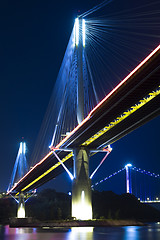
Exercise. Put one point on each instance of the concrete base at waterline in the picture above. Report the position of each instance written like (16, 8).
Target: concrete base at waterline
(75, 223)
(22, 222)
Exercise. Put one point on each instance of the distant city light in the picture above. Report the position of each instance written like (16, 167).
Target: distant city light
(69, 193)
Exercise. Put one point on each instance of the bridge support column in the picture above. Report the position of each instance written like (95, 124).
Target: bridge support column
(21, 206)
(81, 188)
(128, 178)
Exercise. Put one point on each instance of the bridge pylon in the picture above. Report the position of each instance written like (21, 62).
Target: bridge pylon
(20, 168)
(80, 46)
(22, 159)
(128, 178)
(81, 188)
(21, 207)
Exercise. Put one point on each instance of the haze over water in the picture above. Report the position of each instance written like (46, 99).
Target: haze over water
(150, 232)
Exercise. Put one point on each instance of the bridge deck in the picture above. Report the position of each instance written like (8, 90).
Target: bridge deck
(132, 103)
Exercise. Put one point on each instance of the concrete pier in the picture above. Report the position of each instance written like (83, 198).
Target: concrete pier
(81, 189)
(21, 207)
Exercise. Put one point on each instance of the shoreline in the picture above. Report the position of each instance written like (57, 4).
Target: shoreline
(27, 222)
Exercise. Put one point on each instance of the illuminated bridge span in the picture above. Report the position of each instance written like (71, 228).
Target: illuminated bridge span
(80, 124)
(138, 182)
(130, 104)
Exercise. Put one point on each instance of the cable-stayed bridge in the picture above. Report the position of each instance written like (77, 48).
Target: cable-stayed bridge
(133, 102)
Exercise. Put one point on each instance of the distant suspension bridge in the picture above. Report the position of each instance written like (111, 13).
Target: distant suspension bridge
(143, 195)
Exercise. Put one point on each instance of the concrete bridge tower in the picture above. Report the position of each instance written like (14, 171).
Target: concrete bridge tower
(22, 160)
(128, 178)
(81, 189)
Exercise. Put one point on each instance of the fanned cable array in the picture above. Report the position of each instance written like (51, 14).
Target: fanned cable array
(115, 42)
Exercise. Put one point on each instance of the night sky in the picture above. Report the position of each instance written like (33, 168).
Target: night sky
(33, 39)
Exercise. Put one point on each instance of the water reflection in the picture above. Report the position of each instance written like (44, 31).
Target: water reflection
(75, 233)
(131, 233)
(78, 233)
(151, 232)
(8, 233)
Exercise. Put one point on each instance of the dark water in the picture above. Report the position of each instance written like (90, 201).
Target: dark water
(150, 232)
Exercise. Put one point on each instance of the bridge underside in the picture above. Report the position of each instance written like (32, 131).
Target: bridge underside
(145, 81)
(134, 103)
